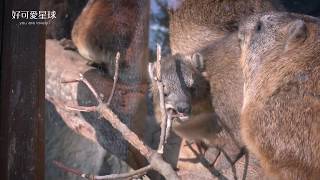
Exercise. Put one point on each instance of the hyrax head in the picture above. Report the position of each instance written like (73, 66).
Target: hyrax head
(270, 36)
(179, 78)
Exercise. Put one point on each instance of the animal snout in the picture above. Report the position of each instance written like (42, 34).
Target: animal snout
(184, 108)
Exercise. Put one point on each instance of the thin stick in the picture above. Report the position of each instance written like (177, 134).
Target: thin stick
(70, 81)
(134, 173)
(128, 135)
(159, 75)
(81, 108)
(138, 172)
(162, 106)
(63, 105)
(168, 128)
(68, 169)
(108, 114)
(115, 78)
(155, 160)
(86, 82)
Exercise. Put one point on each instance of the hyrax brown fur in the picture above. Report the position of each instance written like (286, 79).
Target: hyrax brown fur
(221, 62)
(207, 27)
(223, 72)
(105, 27)
(280, 120)
(217, 127)
(195, 24)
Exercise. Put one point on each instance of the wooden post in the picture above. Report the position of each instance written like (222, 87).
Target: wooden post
(22, 94)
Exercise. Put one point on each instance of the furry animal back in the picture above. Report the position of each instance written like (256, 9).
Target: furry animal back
(195, 24)
(280, 120)
(105, 27)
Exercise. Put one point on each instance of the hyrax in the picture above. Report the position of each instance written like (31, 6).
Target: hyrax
(105, 27)
(280, 119)
(183, 86)
(198, 24)
(208, 27)
(195, 24)
(217, 127)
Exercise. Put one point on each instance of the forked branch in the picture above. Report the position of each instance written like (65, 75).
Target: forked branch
(155, 159)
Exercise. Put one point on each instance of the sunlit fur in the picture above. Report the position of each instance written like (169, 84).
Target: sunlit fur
(280, 120)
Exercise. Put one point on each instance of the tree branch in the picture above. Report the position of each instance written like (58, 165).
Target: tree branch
(69, 107)
(156, 161)
(134, 173)
(168, 127)
(162, 105)
(115, 78)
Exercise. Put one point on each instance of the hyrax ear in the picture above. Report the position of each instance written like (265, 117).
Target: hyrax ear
(297, 33)
(151, 71)
(197, 61)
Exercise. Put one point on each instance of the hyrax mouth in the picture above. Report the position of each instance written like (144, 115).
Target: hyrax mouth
(182, 117)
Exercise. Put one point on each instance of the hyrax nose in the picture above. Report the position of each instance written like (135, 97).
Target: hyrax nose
(183, 108)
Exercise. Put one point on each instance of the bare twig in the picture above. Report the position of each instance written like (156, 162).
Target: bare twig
(162, 105)
(156, 161)
(115, 78)
(206, 163)
(70, 81)
(69, 107)
(68, 169)
(131, 137)
(81, 108)
(134, 173)
(168, 128)
(159, 75)
(85, 81)
(138, 172)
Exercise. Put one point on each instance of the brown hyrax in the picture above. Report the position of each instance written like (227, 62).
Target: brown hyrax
(217, 127)
(207, 25)
(183, 86)
(105, 27)
(280, 119)
(195, 24)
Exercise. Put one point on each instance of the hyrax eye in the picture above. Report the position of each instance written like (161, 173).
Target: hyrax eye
(259, 26)
(165, 92)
